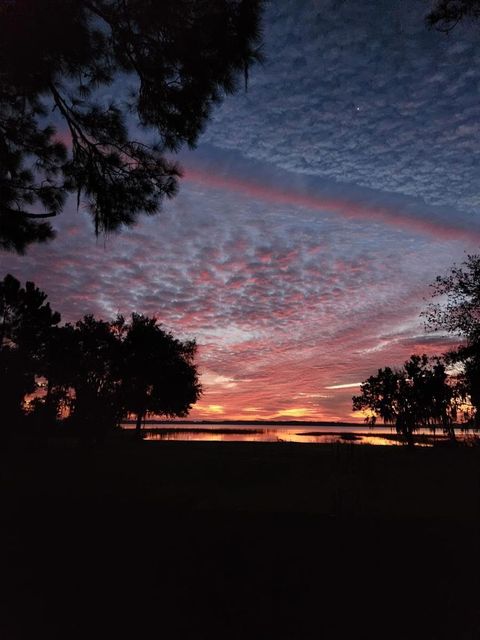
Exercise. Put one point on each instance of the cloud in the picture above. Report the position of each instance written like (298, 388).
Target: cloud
(348, 209)
(313, 216)
(347, 385)
(363, 93)
(283, 302)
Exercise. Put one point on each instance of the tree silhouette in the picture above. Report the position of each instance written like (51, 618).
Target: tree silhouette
(159, 376)
(26, 321)
(62, 132)
(469, 356)
(16, 381)
(446, 14)
(58, 369)
(93, 349)
(458, 313)
(417, 395)
(380, 396)
(428, 397)
(96, 372)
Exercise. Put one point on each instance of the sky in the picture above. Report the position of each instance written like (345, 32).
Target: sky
(313, 216)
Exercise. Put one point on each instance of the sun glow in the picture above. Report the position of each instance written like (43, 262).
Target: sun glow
(213, 408)
(295, 412)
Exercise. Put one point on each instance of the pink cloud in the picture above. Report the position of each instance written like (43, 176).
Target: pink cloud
(439, 229)
(279, 314)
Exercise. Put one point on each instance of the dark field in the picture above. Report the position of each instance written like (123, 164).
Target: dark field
(232, 540)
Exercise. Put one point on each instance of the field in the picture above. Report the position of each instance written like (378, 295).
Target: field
(239, 540)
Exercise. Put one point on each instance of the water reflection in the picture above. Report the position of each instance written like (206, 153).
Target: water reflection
(279, 433)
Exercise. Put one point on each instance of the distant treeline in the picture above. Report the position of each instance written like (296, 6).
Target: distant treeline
(92, 374)
(261, 423)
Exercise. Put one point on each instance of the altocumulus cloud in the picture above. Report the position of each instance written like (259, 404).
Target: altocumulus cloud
(317, 209)
(282, 304)
(361, 92)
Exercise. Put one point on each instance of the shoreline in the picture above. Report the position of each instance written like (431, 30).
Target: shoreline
(359, 437)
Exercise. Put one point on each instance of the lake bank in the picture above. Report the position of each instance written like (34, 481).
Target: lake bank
(201, 540)
(389, 481)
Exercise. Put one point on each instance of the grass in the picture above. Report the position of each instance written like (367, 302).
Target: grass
(239, 540)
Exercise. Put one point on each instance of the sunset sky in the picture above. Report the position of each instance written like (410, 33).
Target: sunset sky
(311, 219)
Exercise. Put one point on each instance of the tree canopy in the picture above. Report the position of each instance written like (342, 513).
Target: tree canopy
(81, 84)
(437, 391)
(26, 321)
(416, 395)
(158, 373)
(458, 313)
(446, 14)
(95, 372)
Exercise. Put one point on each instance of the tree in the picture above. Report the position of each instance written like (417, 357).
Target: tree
(430, 396)
(446, 14)
(159, 376)
(26, 321)
(379, 395)
(465, 361)
(417, 395)
(469, 356)
(58, 370)
(16, 381)
(102, 371)
(94, 371)
(60, 59)
(93, 352)
(458, 314)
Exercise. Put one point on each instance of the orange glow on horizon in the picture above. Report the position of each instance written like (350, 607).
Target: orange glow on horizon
(225, 412)
(295, 412)
(213, 409)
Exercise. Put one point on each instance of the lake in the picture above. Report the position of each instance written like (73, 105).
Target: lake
(332, 433)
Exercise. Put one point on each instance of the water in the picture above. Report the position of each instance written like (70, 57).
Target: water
(358, 434)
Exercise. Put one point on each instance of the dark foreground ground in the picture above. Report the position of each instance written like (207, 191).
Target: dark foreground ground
(185, 540)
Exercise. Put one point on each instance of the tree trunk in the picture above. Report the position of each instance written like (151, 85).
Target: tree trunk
(138, 425)
(410, 439)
